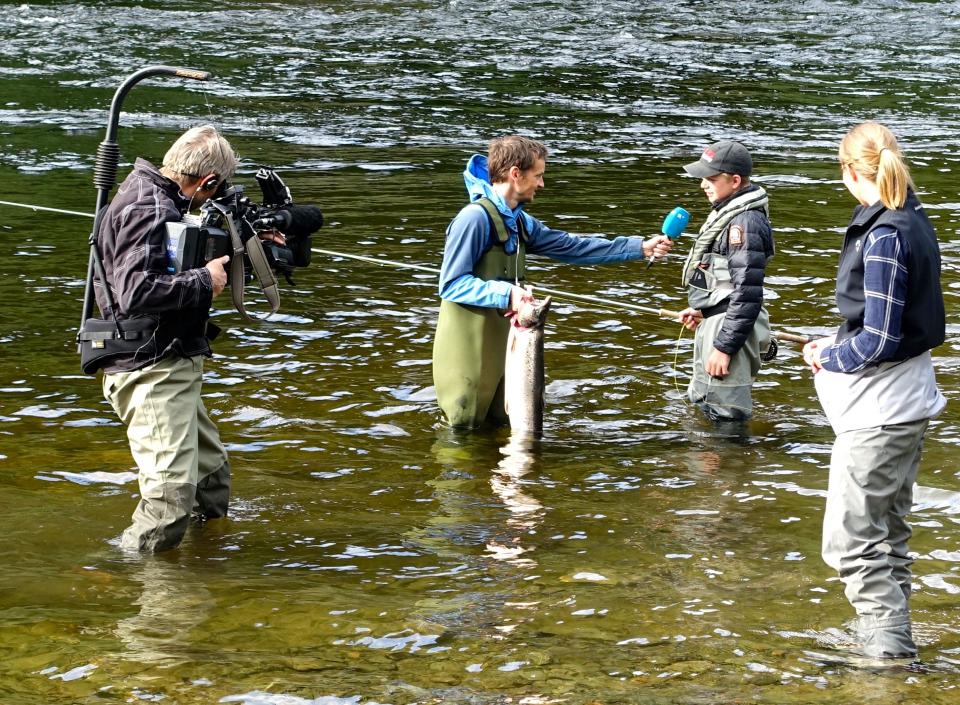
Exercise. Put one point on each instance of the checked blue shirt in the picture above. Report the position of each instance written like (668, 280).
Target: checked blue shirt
(884, 287)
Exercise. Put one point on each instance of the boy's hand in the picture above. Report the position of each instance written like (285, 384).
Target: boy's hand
(657, 246)
(718, 364)
(691, 318)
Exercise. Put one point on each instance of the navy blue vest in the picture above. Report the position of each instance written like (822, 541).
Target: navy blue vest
(923, 322)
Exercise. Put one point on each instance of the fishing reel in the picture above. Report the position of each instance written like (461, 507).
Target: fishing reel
(771, 352)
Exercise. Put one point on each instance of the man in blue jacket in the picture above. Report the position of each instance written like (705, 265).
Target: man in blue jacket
(481, 279)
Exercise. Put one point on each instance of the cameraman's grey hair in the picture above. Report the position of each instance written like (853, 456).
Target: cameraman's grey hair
(200, 151)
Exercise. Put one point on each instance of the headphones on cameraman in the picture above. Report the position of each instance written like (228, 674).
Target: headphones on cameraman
(210, 183)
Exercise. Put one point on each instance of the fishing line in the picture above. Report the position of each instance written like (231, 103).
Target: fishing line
(595, 300)
(43, 208)
(206, 99)
(676, 362)
(676, 368)
(377, 260)
(383, 262)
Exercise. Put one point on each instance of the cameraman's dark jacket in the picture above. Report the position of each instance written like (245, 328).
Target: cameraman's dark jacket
(132, 241)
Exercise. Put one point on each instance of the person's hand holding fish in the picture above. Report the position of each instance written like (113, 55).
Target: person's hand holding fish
(518, 297)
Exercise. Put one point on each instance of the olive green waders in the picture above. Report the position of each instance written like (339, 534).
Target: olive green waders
(471, 341)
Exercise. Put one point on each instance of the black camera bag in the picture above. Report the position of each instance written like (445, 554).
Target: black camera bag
(102, 341)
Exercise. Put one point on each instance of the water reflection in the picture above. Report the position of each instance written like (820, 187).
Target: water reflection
(173, 603)
(467, 518)
(526, 511)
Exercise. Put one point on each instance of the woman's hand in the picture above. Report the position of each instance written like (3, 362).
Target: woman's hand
(812, 350)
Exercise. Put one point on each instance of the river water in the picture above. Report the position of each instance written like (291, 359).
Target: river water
(636, 554)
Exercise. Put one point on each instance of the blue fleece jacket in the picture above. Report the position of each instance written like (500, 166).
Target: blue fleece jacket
(469, 237)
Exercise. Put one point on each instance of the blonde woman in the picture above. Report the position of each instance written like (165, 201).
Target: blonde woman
(876, 383)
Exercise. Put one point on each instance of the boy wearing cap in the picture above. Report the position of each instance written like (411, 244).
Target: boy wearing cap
(723, 275)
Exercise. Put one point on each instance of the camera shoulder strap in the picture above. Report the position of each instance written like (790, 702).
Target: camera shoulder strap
(258, 260)
(264, 272)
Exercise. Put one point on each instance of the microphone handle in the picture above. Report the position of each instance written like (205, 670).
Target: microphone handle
(653, 258)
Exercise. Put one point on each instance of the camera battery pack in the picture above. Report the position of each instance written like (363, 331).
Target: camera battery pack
(185, 245)
(190, 244)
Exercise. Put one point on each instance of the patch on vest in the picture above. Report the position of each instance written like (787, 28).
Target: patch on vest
(736, 236)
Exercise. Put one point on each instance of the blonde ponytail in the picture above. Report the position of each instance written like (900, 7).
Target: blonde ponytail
(872, 150)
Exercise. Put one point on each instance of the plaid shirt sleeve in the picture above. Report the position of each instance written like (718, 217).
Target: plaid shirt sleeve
(884, 288)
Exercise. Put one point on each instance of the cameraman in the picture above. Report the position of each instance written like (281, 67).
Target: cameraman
(183, 466)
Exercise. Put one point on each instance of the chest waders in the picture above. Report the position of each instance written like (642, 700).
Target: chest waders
(471, 341)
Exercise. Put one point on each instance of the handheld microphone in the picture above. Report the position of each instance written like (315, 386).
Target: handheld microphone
(673, 226)
(292, 220)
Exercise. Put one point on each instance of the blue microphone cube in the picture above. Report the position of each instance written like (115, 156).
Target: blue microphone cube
(675, 222)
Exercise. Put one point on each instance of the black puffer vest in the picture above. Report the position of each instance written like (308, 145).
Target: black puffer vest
(923, 320)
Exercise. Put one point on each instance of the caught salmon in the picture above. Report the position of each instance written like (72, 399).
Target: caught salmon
(523, 379)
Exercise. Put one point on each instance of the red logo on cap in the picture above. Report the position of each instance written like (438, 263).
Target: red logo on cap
(708, 155)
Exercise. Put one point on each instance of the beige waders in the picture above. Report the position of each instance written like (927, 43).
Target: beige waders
(729, 398)
(182, 464)
(865, 530)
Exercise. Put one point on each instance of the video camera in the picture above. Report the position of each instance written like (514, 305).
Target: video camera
(197, 239)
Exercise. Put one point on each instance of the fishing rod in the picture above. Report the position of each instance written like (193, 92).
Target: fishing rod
(44, 208)
(594, 300)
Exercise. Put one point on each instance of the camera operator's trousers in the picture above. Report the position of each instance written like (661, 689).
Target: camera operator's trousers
(183, 466)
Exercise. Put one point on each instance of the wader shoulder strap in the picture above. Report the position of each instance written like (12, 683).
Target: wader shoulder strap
(496, 221)
(717, 222)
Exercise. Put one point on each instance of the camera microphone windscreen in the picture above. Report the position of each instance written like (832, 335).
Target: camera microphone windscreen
(296, 221)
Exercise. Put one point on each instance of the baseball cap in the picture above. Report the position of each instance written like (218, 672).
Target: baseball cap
(723, 157)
